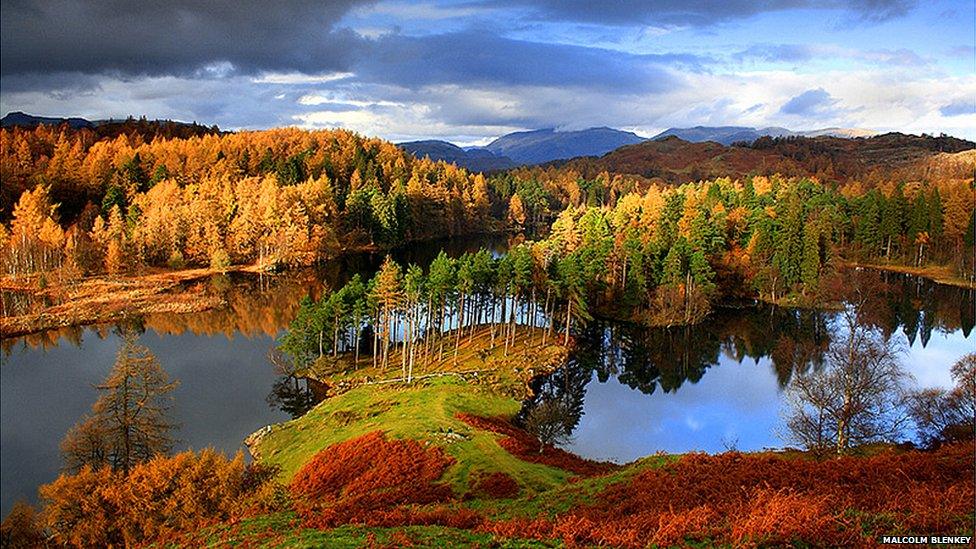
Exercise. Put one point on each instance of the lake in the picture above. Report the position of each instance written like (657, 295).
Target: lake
(638, 390)
(719, 385)
(228, 387)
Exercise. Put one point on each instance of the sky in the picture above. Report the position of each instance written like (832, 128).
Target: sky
(468, 71)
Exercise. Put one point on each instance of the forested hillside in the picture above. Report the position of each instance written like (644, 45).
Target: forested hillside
(273, 197)
(888, 157)
(290, 197)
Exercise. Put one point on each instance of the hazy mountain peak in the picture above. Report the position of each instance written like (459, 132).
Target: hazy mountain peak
(474, 159)
(545, 145)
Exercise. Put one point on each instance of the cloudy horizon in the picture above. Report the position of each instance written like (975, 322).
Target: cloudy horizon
(468, 71)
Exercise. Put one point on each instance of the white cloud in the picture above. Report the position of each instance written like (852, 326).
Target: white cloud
(882, 99)
(424, 11)
(300, 78)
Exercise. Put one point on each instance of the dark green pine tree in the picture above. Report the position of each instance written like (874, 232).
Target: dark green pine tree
(935, 213)
(890, 224)
(918, 217)
(810, 268)
(789, 243)
(868, 231)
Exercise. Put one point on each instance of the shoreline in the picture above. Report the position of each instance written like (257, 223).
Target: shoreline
(940, 274)
(106, 298)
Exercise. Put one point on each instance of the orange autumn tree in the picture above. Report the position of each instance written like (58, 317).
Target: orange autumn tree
(156, 500)
(129, 422)
(35, 240)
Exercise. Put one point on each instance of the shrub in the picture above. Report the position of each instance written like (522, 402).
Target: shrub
(741, 500)
(349, 480)
(219, 259)
(176, 260)
(495, 485)
(157, 500)
(525, 447)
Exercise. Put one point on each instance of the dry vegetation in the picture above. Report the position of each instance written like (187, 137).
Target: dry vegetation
(102, 299)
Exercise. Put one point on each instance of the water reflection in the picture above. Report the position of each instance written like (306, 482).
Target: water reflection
(294, 395)
(637, 390)
(291, 393)
(257, 305)
(228, 387)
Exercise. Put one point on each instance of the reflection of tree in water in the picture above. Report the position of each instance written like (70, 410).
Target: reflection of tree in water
(292, 393)
(918, 306)
(647, 359)
(565, 387)
(794, 340)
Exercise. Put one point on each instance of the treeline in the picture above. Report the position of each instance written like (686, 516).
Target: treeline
(289, 197)
(278, 197)
(662, 257)
(665, 254)
(426, 314)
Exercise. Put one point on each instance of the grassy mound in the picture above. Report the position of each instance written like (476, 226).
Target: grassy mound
(426, 412)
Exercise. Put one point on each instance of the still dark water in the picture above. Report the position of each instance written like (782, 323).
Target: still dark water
(219, 357)
(638, 391)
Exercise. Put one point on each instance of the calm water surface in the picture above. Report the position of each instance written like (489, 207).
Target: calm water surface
(228, 387)
(637, 391)
(719, 385)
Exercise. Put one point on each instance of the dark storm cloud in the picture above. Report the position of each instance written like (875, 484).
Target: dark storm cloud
(482, 58)
(808, 103)
(152, 38)
(696, 13)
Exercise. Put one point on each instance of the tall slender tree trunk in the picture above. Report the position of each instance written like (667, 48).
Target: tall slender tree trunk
(335, 338)
(569, 313)
(403, 348)
(376, 338)
(457, 336)
(545, 318)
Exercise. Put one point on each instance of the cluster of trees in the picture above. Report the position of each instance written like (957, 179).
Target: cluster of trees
(119, 484)
(661, 257)
(424, 312)
(273, 197)
(664, 254)
(158, 500)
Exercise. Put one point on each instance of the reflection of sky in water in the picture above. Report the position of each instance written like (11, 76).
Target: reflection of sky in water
(220, 400)
(733, 402)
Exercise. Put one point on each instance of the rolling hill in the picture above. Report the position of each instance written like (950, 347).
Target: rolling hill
(675, 160)
(21, 119)
(727, 135)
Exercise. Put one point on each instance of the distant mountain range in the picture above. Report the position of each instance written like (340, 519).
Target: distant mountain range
(727, 135)
(474, 159)
(529, 147)
(539, 146)
(28, 120)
